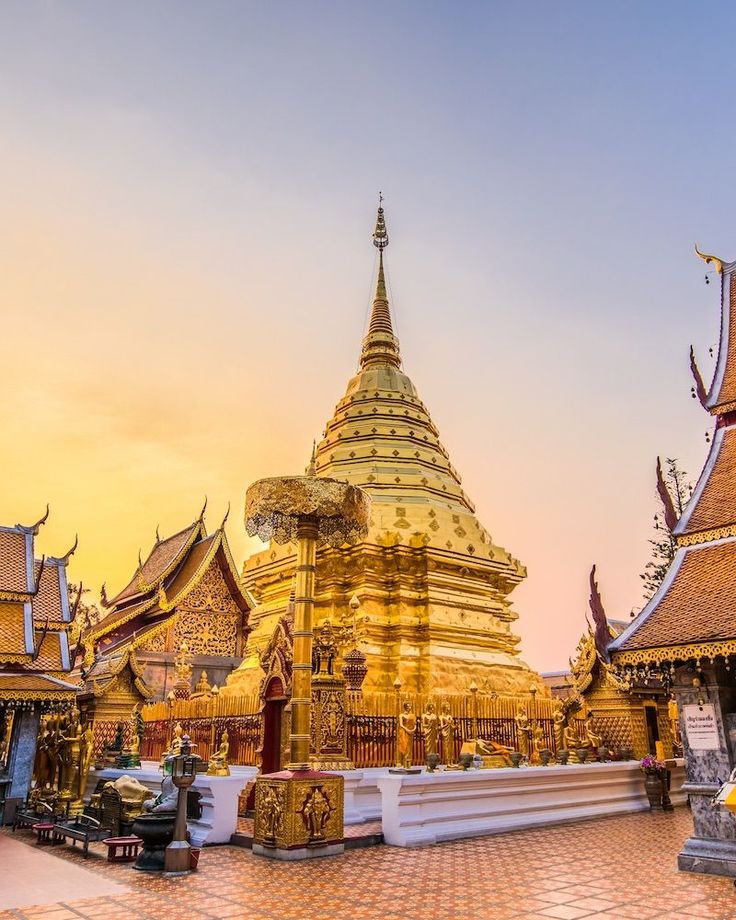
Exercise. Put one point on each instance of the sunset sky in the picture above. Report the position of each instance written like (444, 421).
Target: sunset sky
(188, 197)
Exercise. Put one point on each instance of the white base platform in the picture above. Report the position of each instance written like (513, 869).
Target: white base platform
(430, 808)
(362, 795)
(219, 799)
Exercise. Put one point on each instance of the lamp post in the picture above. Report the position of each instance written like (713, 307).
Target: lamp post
(301, 808)
(183, 773)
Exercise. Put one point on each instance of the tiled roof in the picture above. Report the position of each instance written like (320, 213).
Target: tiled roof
(122, 615)
(195, 557)
(43, 683)
(13, 576)
(13, 630)
(698, 606)
(715, 503)
(49, 656)
(48, 601)
(159, 563)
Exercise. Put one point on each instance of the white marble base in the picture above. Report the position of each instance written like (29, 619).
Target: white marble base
(362, 795)
(429, 808)
(219, 798)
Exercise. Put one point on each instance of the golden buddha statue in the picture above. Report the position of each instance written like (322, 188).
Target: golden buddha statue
(559, 720)
(524, 731)
(176, 743)
(407, 727)
(71, 754)
(218, 761)
(430, 729)
(571, 743)
(88, 743)
(447, 733)
(44, 769)
(592, 738)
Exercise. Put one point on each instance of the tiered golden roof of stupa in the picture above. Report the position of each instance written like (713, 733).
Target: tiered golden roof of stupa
(433, 585)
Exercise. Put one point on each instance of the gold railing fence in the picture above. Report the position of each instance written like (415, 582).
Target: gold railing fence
(370, 723)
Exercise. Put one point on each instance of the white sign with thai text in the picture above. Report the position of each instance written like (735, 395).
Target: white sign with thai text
(701, 728)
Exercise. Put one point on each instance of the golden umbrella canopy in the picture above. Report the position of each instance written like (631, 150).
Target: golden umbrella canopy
(275, 508)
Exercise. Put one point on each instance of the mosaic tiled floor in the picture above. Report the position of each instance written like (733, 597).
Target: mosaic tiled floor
(614, 868)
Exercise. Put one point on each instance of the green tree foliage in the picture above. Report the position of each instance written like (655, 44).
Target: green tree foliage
(663, 544)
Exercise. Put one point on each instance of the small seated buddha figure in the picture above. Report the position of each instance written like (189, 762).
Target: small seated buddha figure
(572, 743)
(176, 743)
(218, 761)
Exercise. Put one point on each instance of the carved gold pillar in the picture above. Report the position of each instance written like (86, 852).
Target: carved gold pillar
(299, 811)
(301, 693)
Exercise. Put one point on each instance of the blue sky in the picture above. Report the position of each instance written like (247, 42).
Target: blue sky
(189, 197)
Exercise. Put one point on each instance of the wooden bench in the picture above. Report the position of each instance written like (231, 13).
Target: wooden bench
(83, 828)
(122, 849)
(28, 815)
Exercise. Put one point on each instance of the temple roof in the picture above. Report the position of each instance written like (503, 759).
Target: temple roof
(24, 686)
(161, 561)
(696, 603)
(721, 397)
(34, 603)
(712, 505)
(173, 568)
(693, 614)
(16, 575)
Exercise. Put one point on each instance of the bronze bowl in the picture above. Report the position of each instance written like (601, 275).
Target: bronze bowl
(156, 830)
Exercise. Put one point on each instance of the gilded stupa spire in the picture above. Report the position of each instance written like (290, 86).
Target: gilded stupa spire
(380, 346)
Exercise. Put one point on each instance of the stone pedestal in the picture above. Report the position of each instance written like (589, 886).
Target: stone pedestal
(705, 715)
(298, 815)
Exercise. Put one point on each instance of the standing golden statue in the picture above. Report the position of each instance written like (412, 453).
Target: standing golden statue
(88, 744)
(71, 756)
(407, 727)
(44, 767)
(447, 733)
(430, 729)
(524, 732)
(559, 721)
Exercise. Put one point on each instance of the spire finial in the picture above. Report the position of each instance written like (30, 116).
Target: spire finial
(312, 468)
(380, 345)
(380, 234)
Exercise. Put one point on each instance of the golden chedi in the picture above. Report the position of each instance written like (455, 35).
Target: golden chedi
(433, 586)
